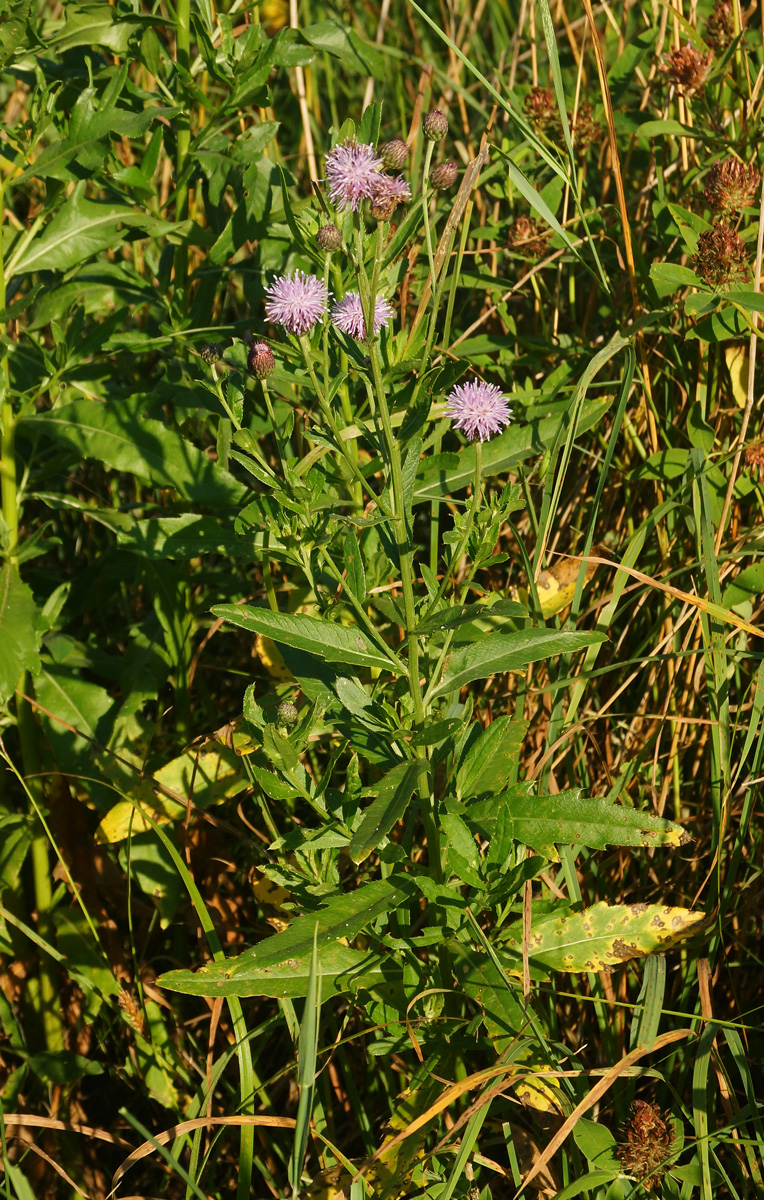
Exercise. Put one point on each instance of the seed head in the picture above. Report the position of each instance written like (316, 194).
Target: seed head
(329, 238)
(732, 185)
(586, 128)
(435, 125)
(529, 237)
(351, 171)
(444, 175)
(347, 316)
(296, 301)
(394, 154)
(648, 1144)
(131, 1008)
(721, 258)
(687, 69)
(260, 360)
(720, 27)
(388, 192)
(478, 409)
(754, 460)
(540, 108)
(286, 713)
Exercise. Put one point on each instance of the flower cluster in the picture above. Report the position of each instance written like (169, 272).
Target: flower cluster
(687, 69)
(354, 172)
(720, 27)
(754, 460)
(586, 128)
(478, 409)
(721, 258)
(732, 185)
(648, 1144)
(529, 237)
(541, 110)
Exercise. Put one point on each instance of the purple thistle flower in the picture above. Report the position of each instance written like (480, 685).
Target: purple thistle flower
(347, 316)
(351, 172)
(478, 409)
(296, 301)
(387, 187)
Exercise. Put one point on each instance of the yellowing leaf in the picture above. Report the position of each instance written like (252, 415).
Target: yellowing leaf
(736, 355)
(556, 585)
(605, 935)
(270, 656)
(201, 775)
(271, 899)
(538, 1090)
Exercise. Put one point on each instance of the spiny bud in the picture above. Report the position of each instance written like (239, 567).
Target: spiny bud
(732, 185)
(286, 713)
(383, 207)
(211, 352)
(721, 258)
(444, 175)
(394, 154)
(435, 125)
(260, 360)
(329, 238)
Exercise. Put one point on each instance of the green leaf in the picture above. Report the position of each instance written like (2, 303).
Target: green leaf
(394, 792)
(127, 442)
(21, 626)
(62, 1066)
(454, 615)
(267, 969)
(326, 639)
(571, 819)
(605, 935)
(490, 760)
(16, 835)
(509, 652)
(343, 43)
(481, 980)
(671, 275)
(185, 537)
(728, 324)
(355, 573)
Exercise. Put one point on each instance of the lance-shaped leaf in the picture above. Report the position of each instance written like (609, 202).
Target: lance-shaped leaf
(509, 652)
(490, 759)
(393, 795)
(605, 935)
(327, 639)
(572, 819)
(342, 970)
(254, 972)
(21, 626)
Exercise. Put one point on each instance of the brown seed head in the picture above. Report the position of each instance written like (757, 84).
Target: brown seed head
(586, 128)
(687, 69)
(435, 125)
(732, 185)
(721, 258)
(128, 1002)
(648, 1144)
(754, 460)
(540, 108)
(260, 360)
(720, 27)
(529, 237)
(329, 238)
(444, 175)
(394, 154)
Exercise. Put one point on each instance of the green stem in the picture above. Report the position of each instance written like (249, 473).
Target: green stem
(363, 616)
(426, 211)
(183, 140)
(328, 415)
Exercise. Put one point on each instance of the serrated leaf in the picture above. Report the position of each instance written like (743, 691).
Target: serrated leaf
(606, 935)
(490, 760)
(394, 792)
(343, 917)
(326, 639)
(455, 615)
(572, 819)
(21, 625)
(509, 652)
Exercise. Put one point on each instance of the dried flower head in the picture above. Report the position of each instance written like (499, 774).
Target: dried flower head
(586, 128)
(732, 185)
(444, 175)
(351, 171)
(435, 125)
(298, 302)
(478, 409)
(648, 1144)
(130, 1006)
(394, 154)
(329, 238)
(687, 69)
(754, 460)
(721, 258)
(541, 109)
(388, 192)
(347, 316)
(720, 27)
(286, 713)
(260, 360)
(529, 237)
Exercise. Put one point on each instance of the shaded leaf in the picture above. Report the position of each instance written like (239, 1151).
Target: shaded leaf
(509, 652)
(394, 792)
(21, 626)
(327, 639)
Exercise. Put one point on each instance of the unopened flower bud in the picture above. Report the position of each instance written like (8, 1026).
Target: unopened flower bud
(286, 713)
(394, 154)
(329, 238)
(211, 352)
(444, 175)
(260, 360)
(435, 125)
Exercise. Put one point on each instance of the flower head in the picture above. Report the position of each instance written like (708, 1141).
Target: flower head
(435, 125)
(732, 185)
(721, 258)
(296, 301)
(351, 172)
(648, 1144)
(347, 316)
(529, 237)
(541, 109)
(260, 360)
(394, 154)
(444, 175)
(754, 460)
(687, 69)
(586, 128)
(387, 194)
(478, 409)
(329, 238)
(720, 27)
